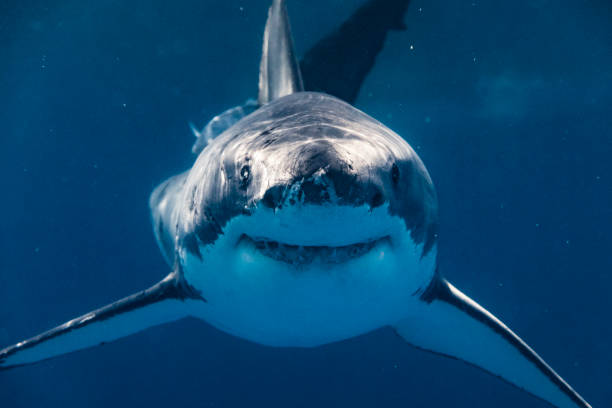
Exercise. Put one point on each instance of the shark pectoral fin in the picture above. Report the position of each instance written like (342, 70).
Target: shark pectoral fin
(161, 303)
(452, 324)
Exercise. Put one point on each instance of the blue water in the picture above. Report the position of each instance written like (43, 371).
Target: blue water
(507, 103)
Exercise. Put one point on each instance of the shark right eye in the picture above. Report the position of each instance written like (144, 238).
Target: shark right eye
(395, 173)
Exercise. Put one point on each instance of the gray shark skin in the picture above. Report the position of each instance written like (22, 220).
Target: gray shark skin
(303, 223)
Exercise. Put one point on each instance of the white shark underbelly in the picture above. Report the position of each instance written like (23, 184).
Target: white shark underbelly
(256, 297)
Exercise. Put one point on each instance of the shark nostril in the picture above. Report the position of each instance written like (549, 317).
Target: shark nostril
(377, 200)
(272, 198)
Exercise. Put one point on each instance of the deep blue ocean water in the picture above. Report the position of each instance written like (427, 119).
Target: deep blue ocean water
(509, 104)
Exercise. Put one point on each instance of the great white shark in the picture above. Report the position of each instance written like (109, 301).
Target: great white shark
(304, 221)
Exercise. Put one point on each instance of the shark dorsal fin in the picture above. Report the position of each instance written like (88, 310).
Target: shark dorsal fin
(279, 72)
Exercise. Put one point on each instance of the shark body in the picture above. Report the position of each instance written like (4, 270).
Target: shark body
(303, 223)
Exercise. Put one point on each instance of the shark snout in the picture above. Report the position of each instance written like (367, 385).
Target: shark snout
(324, 174)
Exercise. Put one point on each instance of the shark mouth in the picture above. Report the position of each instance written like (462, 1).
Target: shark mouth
(306, 254)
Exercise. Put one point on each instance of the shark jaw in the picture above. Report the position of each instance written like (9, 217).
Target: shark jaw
(299, 255)
(272, 278)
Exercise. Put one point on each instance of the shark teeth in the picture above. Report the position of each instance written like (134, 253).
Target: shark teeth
(305, 254)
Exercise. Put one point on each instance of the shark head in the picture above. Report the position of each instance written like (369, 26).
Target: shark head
(309, 179)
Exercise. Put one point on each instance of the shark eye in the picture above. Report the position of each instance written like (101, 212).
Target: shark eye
(395, 173)
(245, 176)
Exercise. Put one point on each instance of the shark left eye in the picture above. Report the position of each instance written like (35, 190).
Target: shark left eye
(245, 176)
